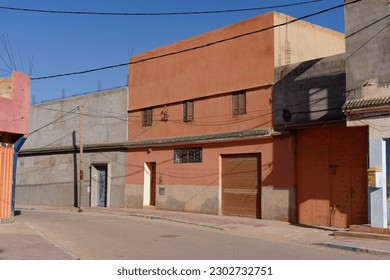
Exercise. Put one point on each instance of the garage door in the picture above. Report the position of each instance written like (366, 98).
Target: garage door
(241, 185)
(331, 176)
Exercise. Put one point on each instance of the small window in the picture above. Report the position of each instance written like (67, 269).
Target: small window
(187, 155)
(147, 117)
(188, 111)
(239, 103)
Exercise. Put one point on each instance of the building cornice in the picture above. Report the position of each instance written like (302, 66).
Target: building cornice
(207, 138)
(161, 142)
(367, 105)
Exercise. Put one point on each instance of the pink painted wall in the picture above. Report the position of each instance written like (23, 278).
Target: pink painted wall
(277, 160)
(15, 103)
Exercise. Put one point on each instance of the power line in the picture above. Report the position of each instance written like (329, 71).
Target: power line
(50, 123)
(157, 13)
(196, 47)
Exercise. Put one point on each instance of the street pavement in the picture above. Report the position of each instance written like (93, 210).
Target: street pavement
(277, 230)
(35, 245)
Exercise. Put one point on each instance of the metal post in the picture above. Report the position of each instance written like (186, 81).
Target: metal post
(17, 146)
(81, 157)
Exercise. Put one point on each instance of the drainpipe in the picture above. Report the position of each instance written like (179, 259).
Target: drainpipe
(17, 146)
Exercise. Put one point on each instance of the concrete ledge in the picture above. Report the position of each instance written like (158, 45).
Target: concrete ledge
(376, 236)
(368, 229)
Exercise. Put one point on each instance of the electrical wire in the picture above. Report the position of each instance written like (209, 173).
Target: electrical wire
(158, 13)
(90, 115)
(50, 123)
(98, 114)
(196, 47)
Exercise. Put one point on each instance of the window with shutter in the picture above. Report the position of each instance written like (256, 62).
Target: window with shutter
(147, 117)
(188, 111)
(239, 103)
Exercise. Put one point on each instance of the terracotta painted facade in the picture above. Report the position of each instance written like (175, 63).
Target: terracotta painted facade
(209, 70)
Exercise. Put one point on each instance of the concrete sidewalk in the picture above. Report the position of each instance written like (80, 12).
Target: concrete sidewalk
(35, 243)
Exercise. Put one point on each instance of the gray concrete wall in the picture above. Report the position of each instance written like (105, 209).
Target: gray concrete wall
(50, 177)
(53, 179)
(104, 118)
(367, 45)
(134, 195)
(278, 204)
(198, 199)
(312, 91)
(46, 180)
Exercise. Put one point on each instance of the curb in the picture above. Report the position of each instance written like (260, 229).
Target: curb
(354, 249)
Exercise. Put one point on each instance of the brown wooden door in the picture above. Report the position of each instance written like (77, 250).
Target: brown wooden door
(331, 176)
(241, 185)
(153, 184)
(312, 177)
(349, 203)
(340, 178)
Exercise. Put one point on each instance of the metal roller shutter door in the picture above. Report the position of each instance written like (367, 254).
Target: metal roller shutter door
(241, 179)
(6, 165)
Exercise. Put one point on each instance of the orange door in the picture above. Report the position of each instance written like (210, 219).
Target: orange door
(331, 176)
(6, 165)
(312, 177)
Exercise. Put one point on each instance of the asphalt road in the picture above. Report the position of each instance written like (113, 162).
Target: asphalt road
(102, 236)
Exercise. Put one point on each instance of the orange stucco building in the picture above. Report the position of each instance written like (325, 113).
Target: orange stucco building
(201, 135)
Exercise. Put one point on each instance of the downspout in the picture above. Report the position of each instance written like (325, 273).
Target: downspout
(17, 146)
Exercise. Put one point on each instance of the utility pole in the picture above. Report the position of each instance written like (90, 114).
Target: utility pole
(81, 157)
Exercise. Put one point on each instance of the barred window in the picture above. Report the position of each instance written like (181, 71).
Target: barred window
(187, 155)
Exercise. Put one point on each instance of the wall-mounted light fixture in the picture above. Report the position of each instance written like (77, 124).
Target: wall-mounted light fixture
(286, 115)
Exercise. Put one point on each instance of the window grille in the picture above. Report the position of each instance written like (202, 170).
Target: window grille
(187, 155)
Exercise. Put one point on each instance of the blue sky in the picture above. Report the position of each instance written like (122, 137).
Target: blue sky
(68, 43)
